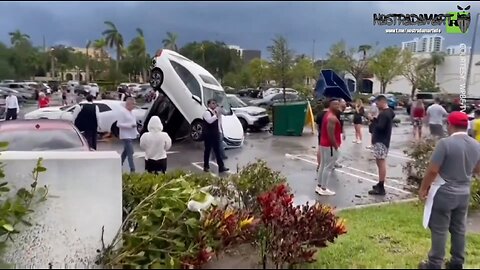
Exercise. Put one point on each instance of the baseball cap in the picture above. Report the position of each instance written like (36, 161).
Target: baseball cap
(458, 119)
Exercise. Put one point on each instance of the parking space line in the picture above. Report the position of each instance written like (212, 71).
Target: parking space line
(347, 173)
(200, 165)
(360, 171)
(195, 164)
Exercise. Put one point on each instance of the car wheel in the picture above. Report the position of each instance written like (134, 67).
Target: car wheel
(114, 130)
(196, 130)
(244, 124)
(156, 78)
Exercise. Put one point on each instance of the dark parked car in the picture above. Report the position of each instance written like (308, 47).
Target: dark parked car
(249, 92)
(269, 100)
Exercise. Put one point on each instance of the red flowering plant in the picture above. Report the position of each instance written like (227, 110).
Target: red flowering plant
(221, 229)
(291, 235)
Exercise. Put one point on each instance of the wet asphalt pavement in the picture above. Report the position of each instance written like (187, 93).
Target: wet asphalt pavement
(295, 158)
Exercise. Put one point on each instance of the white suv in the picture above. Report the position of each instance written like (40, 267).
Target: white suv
(251, 117)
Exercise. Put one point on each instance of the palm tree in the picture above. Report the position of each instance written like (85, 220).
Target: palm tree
(100, 44)
(17, 37)
(114, 39)
(364, 48)
(171, 41)
(142, 51)
(436, 59)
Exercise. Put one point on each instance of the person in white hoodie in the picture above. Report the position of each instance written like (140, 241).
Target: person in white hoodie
(156, 143)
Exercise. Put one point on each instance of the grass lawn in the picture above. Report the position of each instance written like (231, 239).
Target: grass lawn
(385, 237)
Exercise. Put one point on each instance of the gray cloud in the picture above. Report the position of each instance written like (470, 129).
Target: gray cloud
(251, 25)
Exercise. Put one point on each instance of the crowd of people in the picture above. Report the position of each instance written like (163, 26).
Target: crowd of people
(331, 134)
(447, 181)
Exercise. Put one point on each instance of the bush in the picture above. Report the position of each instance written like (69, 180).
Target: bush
(420, 153)
(475, 194)
(290, 235)
(170, 223)
(15, 210)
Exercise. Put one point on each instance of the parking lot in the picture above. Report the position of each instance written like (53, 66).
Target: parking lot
(295, 157)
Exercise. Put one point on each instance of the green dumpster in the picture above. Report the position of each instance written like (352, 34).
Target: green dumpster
(289, 118)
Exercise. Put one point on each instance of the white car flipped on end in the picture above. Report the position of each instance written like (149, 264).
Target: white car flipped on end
(252, 117)
(110, 113)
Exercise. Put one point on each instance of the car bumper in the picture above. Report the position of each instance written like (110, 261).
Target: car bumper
(232, 143)
(261, 122)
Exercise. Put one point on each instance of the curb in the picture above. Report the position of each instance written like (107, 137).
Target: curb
(376, 204)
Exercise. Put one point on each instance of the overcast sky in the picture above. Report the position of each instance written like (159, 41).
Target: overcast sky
(251, 25)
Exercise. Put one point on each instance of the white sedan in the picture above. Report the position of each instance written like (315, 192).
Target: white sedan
(109, 114)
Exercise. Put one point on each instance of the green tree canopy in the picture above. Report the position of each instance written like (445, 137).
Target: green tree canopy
(387, 65)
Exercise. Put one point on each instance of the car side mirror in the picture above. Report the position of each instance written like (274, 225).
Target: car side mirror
(197, 99)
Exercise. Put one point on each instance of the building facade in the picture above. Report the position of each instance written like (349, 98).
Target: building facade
(425, 44)
(457, 49)
(449, 77)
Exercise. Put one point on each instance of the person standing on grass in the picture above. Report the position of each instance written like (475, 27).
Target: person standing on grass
(11, 103)
(155, 143)
(86, 118)
(128, 132)
(372, 118)
(382, 134)
(435, 115)
(418, 113)
(329, 144)
(447, 184)
(358, 120)
(318, 121)
(212, 137)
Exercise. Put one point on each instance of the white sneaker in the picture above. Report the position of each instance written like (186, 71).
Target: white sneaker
(359, 142)
(320, 191)
(355, 141)
(329, 192)
(370, 147)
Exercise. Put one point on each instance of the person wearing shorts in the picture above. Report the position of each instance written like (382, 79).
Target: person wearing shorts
(435, 115)
(418, 113)
(382, 134)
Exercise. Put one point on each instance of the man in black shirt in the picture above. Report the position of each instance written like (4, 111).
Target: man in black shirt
(86, 118)
(382, 133)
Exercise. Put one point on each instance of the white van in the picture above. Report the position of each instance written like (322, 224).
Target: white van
(189, 86)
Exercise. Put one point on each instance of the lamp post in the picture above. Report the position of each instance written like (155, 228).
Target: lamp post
(52, 59)
(472, 50)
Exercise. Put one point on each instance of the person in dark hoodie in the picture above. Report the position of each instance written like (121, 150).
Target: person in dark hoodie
(382, 134)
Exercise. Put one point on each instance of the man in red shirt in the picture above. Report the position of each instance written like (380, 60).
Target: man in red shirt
(330, 141)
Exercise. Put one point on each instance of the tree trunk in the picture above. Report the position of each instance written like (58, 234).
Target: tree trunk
(359, 83)
(117, 65)
(383, 88)
(413, 90)
(435, 75)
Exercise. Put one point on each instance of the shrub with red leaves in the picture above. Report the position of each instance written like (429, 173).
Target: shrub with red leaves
(292, 234)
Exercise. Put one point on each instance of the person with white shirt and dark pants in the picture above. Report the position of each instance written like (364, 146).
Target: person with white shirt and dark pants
(86, 118)
(222, 147)
(127, 126)
(211, 136)
(436, 115)
(11, 103)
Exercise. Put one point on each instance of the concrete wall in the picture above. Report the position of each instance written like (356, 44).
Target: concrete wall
(448, 78)
(85, 193)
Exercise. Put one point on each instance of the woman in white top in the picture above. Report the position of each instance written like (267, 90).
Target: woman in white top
(156, 143)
